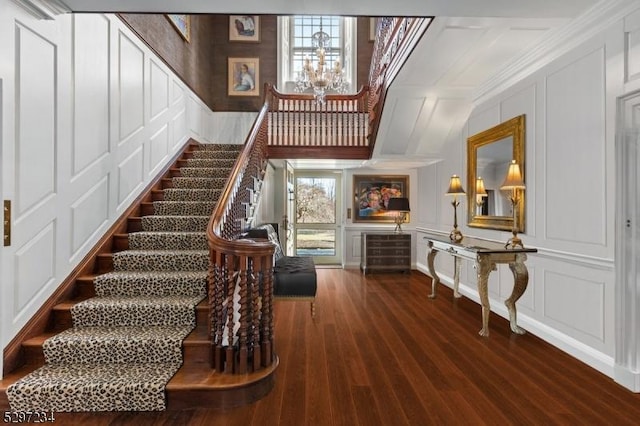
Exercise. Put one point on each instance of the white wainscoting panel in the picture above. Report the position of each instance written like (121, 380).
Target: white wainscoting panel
(130, 174)
(179, 127)
(38, 251)
(575, 302)
(195, 117)
(91, 35)
(159, 147)
(178, 92)
(404, 116)
(632, 47)
(428, 208)
(356, 246)
(131, 90)
(159, 90)
(575, 117)
(88, 213)
(35, 142)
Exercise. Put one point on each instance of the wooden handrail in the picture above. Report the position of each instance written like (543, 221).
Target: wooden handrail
(240, 271)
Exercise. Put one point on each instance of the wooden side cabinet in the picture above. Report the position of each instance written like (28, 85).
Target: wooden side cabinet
(386, 251)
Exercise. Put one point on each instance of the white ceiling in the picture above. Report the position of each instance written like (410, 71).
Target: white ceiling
(468, 43)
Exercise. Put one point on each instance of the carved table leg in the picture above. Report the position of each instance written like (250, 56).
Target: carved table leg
(435, 279)
(457, 263)
(484, 266)
(520, 281)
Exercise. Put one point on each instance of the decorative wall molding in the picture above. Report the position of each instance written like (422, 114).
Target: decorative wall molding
(558, 43)
(43, 9)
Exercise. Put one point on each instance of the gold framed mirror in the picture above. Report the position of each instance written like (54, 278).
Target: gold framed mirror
(488, 156)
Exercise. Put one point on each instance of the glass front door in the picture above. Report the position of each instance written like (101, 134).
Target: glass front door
(317, 222)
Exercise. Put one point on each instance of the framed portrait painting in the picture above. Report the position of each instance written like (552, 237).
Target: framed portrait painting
(182, 24)
(372, 194)
(244, 28)
(244, 77)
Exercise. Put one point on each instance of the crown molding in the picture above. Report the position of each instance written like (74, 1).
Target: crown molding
(557, 43)
(44, 9)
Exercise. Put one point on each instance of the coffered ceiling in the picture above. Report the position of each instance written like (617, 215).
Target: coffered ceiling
(467, 44)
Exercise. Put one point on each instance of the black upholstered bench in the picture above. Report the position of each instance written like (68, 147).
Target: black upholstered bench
(294, 277)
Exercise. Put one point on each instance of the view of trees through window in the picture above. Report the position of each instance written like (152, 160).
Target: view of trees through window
(315, 205)
(316, 200)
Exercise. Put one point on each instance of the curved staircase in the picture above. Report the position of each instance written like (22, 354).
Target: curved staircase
(135, 337)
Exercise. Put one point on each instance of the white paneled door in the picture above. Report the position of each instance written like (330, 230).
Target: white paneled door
(628, 243)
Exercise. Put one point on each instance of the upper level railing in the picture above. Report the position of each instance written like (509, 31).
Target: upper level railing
(300, 127)
(240, 271)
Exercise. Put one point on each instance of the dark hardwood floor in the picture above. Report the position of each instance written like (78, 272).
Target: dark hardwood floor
(379, 352)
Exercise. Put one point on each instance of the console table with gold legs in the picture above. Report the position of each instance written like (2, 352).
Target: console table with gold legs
(485, 255)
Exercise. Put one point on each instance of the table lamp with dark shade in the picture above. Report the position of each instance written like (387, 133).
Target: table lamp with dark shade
(401, 206)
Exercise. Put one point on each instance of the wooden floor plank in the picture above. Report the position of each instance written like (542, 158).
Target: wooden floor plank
(379, 351)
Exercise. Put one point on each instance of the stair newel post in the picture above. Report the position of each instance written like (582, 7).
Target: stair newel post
(244, 321)
(230, 280)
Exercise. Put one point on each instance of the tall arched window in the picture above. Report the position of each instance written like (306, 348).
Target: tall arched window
(295, 42)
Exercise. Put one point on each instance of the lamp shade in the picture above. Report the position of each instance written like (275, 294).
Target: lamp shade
(514, 177)
(455, 186)
(398, 204)
(480, 187)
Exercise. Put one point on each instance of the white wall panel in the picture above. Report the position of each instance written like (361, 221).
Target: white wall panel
(427, 188)
(91, 90)
(575, 117)
(38, 251)
(577, 303)
(35, 142)
(178, 92)
(88, 213)
(130, 174)
(159, 147)
(179, 127)
(131, 90)
(194, 116)
(159, 90)
(632, 47)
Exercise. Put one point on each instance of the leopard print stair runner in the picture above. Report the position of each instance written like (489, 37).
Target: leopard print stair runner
(126, 342)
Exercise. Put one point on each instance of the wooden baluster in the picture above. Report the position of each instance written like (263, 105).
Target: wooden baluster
(244, 317)
(216, 297)
(256, 300)
(230, 281)
(267, 310)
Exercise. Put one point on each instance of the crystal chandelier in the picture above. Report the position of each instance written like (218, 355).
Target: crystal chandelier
(321, 78)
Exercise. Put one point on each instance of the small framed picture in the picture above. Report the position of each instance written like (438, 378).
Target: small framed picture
(244, 77)
(373, 23)
(182, 24)
(244, 28)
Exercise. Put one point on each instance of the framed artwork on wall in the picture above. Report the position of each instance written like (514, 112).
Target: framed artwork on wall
(373, 23)
(182, 24)
(244, 28)
(244, 77)
(372, 194)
